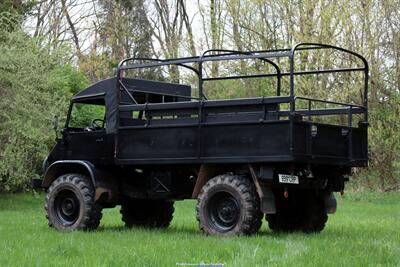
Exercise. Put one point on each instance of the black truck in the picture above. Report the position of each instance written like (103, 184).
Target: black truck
(153, 142)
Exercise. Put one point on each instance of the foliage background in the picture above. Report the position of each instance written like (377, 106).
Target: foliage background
(52, 49)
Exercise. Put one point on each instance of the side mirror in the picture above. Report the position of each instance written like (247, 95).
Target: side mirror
(55, 123)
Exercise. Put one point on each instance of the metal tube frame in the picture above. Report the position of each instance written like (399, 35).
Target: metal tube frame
(263, 55)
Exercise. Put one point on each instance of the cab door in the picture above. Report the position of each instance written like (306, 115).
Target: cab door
(85, 136)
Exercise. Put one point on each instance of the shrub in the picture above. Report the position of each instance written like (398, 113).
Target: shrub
(35, 84)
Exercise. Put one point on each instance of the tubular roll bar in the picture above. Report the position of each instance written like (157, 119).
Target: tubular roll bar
(365, 69)
(263, 55)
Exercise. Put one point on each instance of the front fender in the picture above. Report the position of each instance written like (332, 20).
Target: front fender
(61, 167)
(102, 180)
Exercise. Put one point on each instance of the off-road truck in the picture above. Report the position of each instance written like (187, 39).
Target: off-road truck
(153, 142)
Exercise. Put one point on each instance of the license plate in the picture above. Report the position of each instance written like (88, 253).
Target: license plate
(288, 179)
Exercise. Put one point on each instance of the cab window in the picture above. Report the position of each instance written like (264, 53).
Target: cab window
(88, 117)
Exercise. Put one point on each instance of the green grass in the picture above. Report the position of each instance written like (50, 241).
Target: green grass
(365, 231)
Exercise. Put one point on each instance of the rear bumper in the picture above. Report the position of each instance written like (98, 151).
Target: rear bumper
(37, 184)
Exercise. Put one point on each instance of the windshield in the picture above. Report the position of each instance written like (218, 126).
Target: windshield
(87, 116)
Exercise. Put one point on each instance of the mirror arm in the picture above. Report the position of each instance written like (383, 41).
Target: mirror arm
(55, 125)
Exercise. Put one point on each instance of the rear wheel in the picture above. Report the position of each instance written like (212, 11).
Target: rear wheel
(228, 205)
(147, 213)
(315, 216)
(301, 211)
(70, 204)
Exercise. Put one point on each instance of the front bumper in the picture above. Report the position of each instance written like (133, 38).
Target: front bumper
(37, 184)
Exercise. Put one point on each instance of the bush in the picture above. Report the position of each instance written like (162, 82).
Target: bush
(385, 144)
(35, 84)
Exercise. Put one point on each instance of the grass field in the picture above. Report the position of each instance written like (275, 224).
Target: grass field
(364, 232)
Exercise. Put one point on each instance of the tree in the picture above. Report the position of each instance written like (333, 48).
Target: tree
(12, 13)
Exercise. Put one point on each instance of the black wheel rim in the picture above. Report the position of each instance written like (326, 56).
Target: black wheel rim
(224, 211)
(67, 207)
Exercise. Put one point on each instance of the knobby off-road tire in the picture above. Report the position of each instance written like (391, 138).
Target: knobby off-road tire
(70, 204)
(315, 216)
(301, 211)
(229, 205)
(288, 213)
(147, 213)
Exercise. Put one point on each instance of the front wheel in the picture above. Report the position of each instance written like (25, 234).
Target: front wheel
(228, 205)
(70, 204)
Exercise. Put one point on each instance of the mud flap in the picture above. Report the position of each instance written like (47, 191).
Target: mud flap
(267, 198)
(330, 202)
(267, 201)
